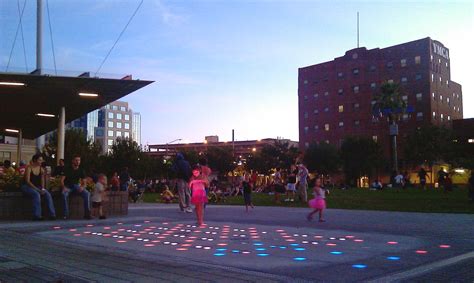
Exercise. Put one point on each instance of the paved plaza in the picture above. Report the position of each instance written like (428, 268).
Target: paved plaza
(158, 243)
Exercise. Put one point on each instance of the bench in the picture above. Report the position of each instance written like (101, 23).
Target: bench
(16, 206)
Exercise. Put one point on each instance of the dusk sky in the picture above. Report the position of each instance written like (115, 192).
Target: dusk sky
(223, 65)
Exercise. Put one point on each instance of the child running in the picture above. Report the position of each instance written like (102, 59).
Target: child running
(98, 196)
(247, 192)
(198, 186)
(318, 203)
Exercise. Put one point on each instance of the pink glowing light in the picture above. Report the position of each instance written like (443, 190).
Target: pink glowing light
(72, 230)
(421, 252)
(318, 237)
(358, 240)
(189, 241)
(290, 240)
(86, 232)
(280, 230)
(181, 249)
(114, 232)
(155, 241)
(107, 235)
(121, 241)
(444, 246)
(77, 235)
(165, 223)
(56, 227)
(149, 245)
(147, 221)
(186, 245)
(350, 237)
(222, 244)
(130, 238)
(392, 243)
(121, 229)
(331, 244)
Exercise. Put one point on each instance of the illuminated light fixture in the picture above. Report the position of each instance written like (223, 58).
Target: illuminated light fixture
(254, 149)
(12, 84)
(459, 170)
(299, 258)
(359, 266)
(444, 246)
(88, 94)
(45, 115)
(12, 131)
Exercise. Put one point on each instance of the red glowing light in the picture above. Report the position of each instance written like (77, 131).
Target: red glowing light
(149, 245)
(181, 249)
(121, 241)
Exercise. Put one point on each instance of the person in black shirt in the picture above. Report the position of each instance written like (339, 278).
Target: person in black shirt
(73, 181)
(124, 179)
(59, 170)
(247, 192)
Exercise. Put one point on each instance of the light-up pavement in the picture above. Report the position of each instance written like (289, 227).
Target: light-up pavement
(252, 247)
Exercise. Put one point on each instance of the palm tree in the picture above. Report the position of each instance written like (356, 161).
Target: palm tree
(390, 104)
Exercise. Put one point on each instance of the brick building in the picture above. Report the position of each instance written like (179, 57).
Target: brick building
(335, 98)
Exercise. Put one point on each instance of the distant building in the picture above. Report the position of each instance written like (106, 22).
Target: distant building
(110, 122)
(241, 148)
(335, 98)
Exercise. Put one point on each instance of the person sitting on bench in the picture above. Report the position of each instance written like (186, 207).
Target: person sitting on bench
(74, 181)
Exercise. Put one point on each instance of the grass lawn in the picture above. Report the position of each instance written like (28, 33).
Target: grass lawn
(413, 200)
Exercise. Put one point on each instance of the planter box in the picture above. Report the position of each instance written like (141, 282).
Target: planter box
(14, 205)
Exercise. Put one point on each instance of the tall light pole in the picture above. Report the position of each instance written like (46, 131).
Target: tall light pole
(168, 143)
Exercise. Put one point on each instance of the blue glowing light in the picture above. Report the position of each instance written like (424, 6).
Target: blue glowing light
(294, 245)
(282, 247)
(299, 258)
(263, 254)
(221, 250)
(258, 244)
(336, 253)
(359, 266)
(219, 254)
(235, 251)
(393, 258)
(299, 249)
(273, 247)
(260, 249)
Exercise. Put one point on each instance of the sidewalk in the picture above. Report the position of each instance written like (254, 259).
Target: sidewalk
(158, 243)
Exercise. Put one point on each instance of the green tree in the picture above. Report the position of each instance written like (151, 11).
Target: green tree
(220, 159)
(270, 156)
(360, 157)
(390, 104)
(76, 142)
(125, 152)
(323, 158)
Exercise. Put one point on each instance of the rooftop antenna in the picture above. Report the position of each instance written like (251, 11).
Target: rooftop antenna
(357, 29)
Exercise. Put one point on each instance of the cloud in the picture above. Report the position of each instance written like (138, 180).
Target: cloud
(169, 17)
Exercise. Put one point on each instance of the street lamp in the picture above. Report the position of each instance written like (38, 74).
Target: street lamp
(168, 143)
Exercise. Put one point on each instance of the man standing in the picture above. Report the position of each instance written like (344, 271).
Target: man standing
(422, 176)
(182, 169)
(303, 182)
(74, 181)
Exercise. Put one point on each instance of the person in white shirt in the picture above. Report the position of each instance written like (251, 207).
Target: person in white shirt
(98, 196)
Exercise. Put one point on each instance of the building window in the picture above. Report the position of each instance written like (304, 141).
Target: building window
(356, 106)
(419, 116)
(373, 85)
(341, 108)
(110, 142)
(306, 115)
(404, 80)
(448, 101)
(127, 117)
(326, 93)
(341, 124)
(306, 144)
(441, 98)
(110, 124)
(340, 91)
(355, 56)
(326, 109)
(440, 80)
(372, 68)
(118, 134)
(306, 130)
(417, 60)
(434, 115)
(305, 82)
(432, 77)
(340, 75)
(305, 97)
(315, 95)
(375, 138)
(119, 116)
(418, 77)
(433, 95)
(442, 117)
(119, 125)
(110, 115)
(126, 135)
(419, 96)
(122, 108)
(390, 65)
(470, 140)
(356, 89)
(326, 127)
(114, 107)
(405, 98)
(110, 133)
(403, 63)
(127, 126)
(356, 122)
(449, 118)
(316, 127)
(355, 71)
(316, 111)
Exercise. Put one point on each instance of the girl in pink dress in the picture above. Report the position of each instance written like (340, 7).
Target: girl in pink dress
(198, 186)
(318, 203)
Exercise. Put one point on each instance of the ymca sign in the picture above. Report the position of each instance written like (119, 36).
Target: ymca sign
(440, 50)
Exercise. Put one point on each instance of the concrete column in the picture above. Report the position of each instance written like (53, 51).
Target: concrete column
(61, 135)
(19, 148)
